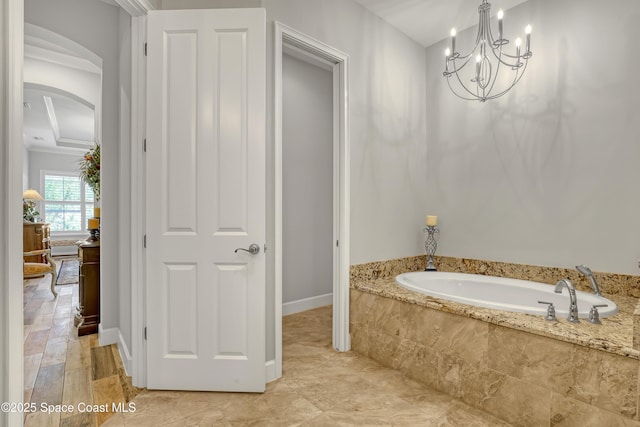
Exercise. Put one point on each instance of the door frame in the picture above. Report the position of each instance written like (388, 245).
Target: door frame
(307, 48)
(11, 331)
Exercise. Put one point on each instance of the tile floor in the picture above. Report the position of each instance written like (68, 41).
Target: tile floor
(61, 368)
(319, 387)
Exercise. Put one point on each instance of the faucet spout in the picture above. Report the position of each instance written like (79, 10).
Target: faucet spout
(573, 300)
(587, 272)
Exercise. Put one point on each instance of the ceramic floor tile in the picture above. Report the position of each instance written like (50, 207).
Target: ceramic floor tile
(319, 387)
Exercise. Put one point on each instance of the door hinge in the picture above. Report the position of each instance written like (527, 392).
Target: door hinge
(337, 243)
(145, 48)
(145, 333)
(144, 145)
(144, 241)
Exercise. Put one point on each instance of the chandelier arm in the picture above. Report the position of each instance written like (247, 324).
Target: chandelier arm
(501, 61)
(516, 79)
(495, 77)
(463, 86)
(460, 96)
(456, 69)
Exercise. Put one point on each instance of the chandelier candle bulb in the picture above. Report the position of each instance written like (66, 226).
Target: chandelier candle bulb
(453, 41)
(431, 221)
(527, 31)
(478, 60)
(500, 16)
(518, 43)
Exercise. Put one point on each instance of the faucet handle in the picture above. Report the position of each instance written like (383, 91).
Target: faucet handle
(551, 311)
(594, 316)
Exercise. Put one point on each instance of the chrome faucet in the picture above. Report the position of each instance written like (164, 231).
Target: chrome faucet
(587, 272)
(573, 300)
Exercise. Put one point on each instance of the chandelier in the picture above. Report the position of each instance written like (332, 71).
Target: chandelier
(489, 57)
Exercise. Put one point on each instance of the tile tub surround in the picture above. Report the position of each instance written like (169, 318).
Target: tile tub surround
(520, 377)
(518, 367)
(619, 334)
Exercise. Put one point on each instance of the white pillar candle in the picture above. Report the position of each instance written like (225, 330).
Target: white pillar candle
(431, 220)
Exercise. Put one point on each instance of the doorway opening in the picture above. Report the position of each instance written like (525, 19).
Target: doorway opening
(300, 51)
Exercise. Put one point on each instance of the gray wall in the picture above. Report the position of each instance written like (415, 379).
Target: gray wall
(95, 25)
(307, 198)
(124, 172)
(549, 173)
(387, 119)
(25, 169)
(387, 110)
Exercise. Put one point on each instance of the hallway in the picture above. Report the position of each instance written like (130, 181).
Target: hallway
(319, 387)
(61, 368)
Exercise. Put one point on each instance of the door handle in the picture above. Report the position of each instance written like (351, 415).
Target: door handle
(253, 249)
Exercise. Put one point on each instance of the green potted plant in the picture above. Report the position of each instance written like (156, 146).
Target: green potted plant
(90, 170)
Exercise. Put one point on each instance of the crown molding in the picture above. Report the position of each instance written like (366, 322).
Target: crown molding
(138, 7)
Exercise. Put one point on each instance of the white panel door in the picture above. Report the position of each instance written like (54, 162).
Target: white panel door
(205, 198)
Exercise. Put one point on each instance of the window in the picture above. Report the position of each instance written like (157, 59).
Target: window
(68, 202)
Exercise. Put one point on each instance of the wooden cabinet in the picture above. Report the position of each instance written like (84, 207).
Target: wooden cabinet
(88, 311)
(35, 236)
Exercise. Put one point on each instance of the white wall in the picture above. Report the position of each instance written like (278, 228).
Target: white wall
(307, 146)
(547, 174)
(39, 161)
(95, 25)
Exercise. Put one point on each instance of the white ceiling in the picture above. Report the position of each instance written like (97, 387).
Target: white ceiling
(54, 119)
(429, 21)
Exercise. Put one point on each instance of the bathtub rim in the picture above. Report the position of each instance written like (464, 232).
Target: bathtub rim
(406, 281)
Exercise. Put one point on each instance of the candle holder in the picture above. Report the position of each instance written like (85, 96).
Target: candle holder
(94, 235)
(430, 245)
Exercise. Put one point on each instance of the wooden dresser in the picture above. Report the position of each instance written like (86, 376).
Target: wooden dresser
(35, 236)
(88, 311)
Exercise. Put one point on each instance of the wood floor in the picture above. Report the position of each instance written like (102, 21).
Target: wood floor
(61, 368)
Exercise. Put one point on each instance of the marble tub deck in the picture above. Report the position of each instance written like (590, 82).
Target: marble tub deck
(615, 335)
(319, 387)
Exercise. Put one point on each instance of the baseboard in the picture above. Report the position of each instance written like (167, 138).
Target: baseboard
(64, 250)
(306, 304)
(107, 336)
(113, 336)
(270, 371)
(125, 355)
